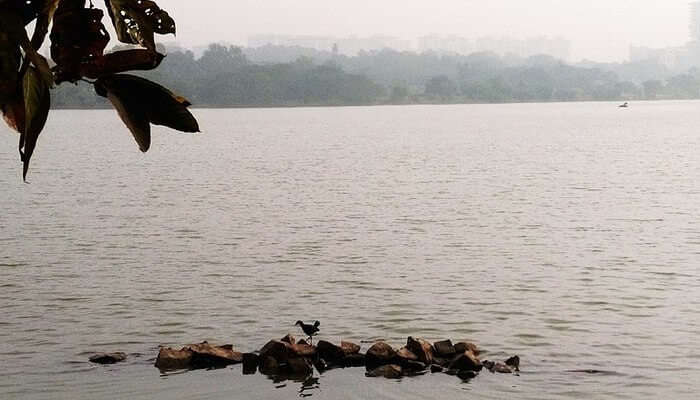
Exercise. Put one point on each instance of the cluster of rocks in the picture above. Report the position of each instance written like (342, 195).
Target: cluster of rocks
(291, 358)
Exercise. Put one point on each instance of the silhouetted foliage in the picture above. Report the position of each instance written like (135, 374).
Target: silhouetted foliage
(78, 39)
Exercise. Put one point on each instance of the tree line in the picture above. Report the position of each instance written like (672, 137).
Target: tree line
(228, 76)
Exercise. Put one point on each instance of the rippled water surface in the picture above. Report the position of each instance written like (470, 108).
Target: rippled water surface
(565, 233)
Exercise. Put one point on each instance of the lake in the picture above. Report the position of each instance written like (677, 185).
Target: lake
(568, 234)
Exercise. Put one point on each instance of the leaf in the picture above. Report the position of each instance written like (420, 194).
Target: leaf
(136, 21)
(37, 101)
(13, 113)
(121, 61)
(45, 16)
(11, 24)
(77, 37)
(141, 102)
(10, 58)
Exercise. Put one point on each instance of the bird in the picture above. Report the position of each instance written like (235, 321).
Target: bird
(309, 330)
(625, 105)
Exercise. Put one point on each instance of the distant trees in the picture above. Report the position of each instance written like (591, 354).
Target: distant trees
(226, 76)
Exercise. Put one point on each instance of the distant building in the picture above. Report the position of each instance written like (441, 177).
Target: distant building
(670, 57)
(556, 47)
(695, 21)
(349, 46)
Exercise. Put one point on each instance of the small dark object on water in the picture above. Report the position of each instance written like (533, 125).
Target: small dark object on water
(309, 330)
(108, 358)
(514, 362)
(624, 105)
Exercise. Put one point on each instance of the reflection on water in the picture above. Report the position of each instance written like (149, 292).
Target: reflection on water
(308, 386)
(565, 233)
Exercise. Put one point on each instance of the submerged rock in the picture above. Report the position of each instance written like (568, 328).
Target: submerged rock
(466, 361)
(250, 363)
(171, 359)
(299, 366)
(275, 349)
(331, 353)
(514, 362)
(436, 368)
(108, 358)
(379, 354)
(467, 375)
(354, 360)
(268, 365)
(389, 371)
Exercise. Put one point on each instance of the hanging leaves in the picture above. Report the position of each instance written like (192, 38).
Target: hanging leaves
(78, 40)
(78, 37)
(10, 59)
(136, 21)
(37, 101)
(141, 102)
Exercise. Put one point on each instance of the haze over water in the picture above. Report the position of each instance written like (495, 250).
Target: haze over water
(564, 233)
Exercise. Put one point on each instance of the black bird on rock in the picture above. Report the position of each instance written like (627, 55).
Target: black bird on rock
(309, 330)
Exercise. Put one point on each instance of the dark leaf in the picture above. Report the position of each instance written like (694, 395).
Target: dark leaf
(78, 37)
(121, 61)
(13, 113)
(10, 58)
(37, 101)
(11, 25)
(136, 21)
(140, 102)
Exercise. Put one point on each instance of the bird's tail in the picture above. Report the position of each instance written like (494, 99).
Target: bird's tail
(316, 324)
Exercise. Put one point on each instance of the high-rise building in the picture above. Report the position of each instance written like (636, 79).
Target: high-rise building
(695, 21)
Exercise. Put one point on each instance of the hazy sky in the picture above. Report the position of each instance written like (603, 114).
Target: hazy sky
(601, 30)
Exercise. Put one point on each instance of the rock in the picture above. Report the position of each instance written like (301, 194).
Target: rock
(299, 366)
(466, 361)
(461, 347)
(268, 365)
(288, 339)
(205, 355)
(501, 368)
(250, 363)
(108, 358)
(467, 375)
(444, 362)
(277, 350)
(488, 364)
(404, 354)
(320, 364)
(444, 349)
(379, 354)
(302, 350)
(514, 362)
(349, 347)
(436, 368)
(331, 353)
(422, 349)
(413, 366)
(169, 359)
(389, 371)
(354, 360)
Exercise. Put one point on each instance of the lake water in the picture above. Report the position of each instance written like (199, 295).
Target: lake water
(568, 234)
